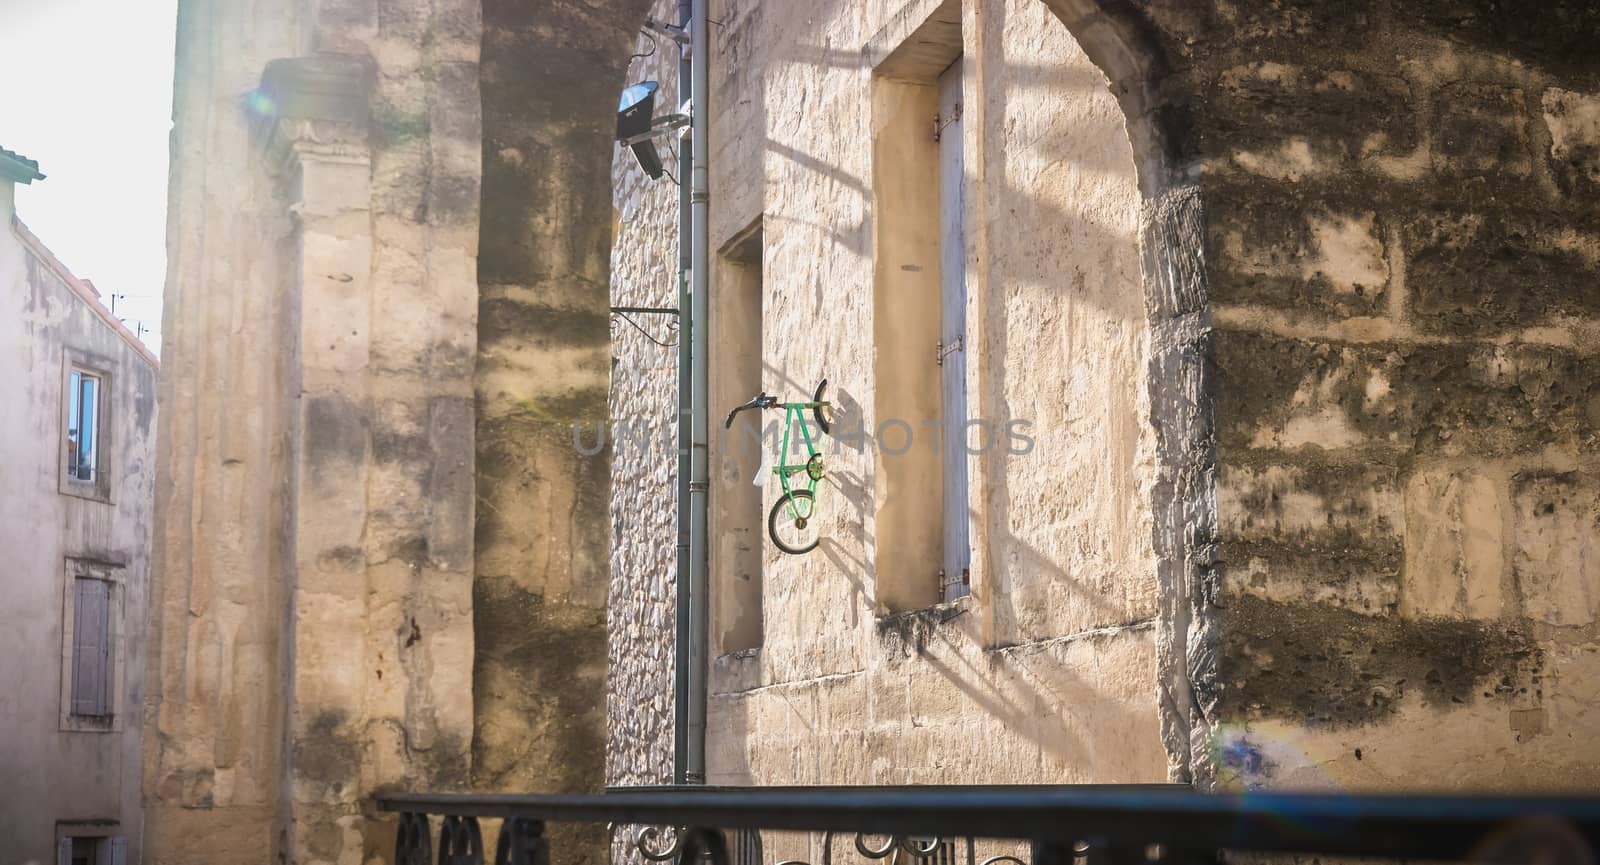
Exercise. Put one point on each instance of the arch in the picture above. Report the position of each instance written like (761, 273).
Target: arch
(1128, 48)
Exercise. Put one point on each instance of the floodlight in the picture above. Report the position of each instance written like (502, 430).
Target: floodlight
(637, 125)
(636, 110)
(649, 159)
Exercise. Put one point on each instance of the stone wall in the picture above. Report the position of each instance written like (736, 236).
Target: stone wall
(217, 683)
(1045, 674)
(378, 555)
(1402, 255)
(643, 434)
(1354, 497)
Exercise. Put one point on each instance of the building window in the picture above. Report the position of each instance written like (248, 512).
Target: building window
(86, 849)
(738, 518)
(86, 426)
(83, 425)
(91, 635)
(91, 648)
(922, 550)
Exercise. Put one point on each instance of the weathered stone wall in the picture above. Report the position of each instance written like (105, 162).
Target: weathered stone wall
(1047, 673)
(217, 683)
(550, 77)
(57, 768)
(1369, 246)
(368, 457)
(644, 440)
(1402, 254)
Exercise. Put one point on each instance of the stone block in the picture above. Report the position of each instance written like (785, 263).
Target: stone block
(1292, 122)
(1557, 556)
(1481, 130)
(1453, 399)
(1455, 545)
(1271, 250)
(1477, 273)
(1319, 666)
(1311, 531)
(1290, 394)
(1557, 39)
(1574, 123)
(1309, 500)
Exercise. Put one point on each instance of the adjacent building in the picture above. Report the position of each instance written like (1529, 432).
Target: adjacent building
(77, 441)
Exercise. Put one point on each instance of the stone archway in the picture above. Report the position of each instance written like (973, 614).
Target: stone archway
(1126, 46)
(1175, 307)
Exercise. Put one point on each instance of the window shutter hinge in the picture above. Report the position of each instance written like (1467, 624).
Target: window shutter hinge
(940, 352)
(940, 121)
(966, 577)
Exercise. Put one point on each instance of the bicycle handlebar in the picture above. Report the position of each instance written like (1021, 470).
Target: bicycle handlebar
(761, 401)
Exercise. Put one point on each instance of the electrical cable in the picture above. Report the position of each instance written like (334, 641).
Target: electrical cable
(653, 46)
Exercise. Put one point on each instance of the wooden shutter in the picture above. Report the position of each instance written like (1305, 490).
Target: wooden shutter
(64, 851)
(119, 851)
(90, 647)
(953, 332)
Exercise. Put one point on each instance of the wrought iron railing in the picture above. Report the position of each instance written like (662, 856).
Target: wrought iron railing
(1079, 825)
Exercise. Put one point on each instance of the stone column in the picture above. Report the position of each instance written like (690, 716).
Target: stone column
(373, 618)
(318, 107)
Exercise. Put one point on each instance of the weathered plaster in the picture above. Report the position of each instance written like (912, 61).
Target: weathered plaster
(59, 768)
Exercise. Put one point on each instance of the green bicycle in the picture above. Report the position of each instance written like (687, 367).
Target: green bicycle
(792, 524)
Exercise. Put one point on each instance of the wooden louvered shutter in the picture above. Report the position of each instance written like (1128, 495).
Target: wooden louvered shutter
(90, 647)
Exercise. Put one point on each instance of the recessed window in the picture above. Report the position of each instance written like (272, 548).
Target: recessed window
(76, 849)
(91, 643)
(91, 648)
(923, 550)
(83, 425)
(737, 517)
(87, 429)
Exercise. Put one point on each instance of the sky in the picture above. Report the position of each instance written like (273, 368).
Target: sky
(86, 89)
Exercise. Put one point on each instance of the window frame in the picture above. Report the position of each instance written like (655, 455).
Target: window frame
(112, 575)
(110, 845)
(99, 487)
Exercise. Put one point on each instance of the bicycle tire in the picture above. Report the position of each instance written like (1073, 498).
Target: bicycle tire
(779, 512)
(816, 411)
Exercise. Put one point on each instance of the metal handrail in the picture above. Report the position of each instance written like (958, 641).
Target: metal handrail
(1128, 818)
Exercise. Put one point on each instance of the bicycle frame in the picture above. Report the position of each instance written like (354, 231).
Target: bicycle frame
(793, 411)
(790, 504)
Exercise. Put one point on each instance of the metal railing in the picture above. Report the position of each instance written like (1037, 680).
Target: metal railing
(1074, 825)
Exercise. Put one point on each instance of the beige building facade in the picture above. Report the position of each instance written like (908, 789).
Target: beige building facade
(841, 224)
(1281, 315)
(1305, 497)
(78, 445)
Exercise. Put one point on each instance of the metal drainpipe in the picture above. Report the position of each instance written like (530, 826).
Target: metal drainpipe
(699, 206)
(680, 684)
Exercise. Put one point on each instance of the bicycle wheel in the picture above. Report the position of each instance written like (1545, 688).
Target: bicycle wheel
(793, 523)
(824, 417)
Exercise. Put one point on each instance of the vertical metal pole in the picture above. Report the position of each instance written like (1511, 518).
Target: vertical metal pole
(680, 683)
(700, 273)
